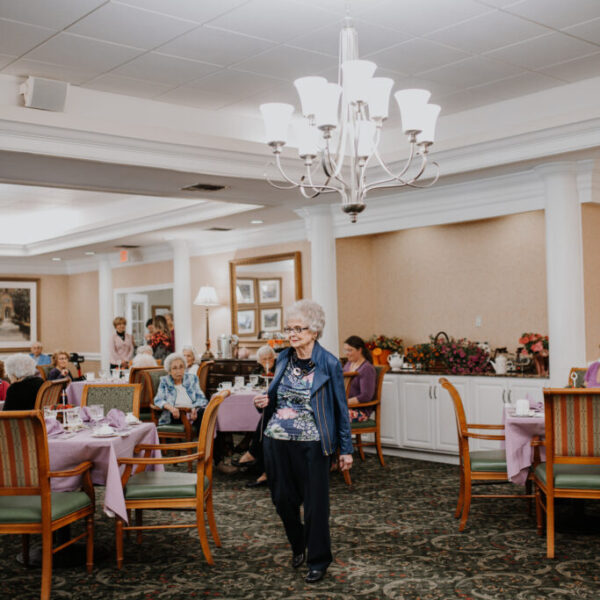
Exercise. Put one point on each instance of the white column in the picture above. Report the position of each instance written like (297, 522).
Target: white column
(564, 270)
(319, 223)
(182, 294)
(105, 297)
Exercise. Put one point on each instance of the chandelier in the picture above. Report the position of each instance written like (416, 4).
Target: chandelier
(341, 130)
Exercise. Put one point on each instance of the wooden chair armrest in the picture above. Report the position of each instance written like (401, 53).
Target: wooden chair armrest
(181, 409)
(178, 446)
(536, 440)
(364, 404)
(161, 461)
(482, 436)
(478, 426)
(78, 470)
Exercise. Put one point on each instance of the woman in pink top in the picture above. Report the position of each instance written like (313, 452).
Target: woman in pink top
(121, 347)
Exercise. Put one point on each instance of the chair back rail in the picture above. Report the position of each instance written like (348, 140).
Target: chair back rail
(206, 436)
(44, 370)
(50, 393)
(203, 372)
(580, 376)
(136, 375)
(348, 377)
(124, 397)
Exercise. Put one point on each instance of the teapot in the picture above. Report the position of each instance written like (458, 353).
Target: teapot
(499, 364)
(395, 361)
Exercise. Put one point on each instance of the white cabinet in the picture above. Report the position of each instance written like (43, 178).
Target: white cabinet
(416, 412)
(444, 421)
(391, 432)
(488, 395)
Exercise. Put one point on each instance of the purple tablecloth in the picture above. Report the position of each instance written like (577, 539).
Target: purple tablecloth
(237, 412)
(519, 432)
(75, 389)
(103, 452)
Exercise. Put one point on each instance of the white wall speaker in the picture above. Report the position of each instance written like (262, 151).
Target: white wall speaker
(45, 94)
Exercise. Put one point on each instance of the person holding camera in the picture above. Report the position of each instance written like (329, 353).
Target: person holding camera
(60, 363)
(121, 345)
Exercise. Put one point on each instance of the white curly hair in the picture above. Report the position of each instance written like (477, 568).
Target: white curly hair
(309, 312)
(19, 366)
(172, 358)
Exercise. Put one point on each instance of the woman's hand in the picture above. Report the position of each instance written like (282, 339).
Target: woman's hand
(193, 414)
(174, 411)
(65, 372)
(353, 401)
(345, 462)
(261, 401)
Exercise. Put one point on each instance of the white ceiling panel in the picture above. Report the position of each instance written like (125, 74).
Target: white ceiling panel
(543, 51)
(164, 69)
(127, 86)
(588, 31)
(215, 46)
(497, 3)
(419, 17)
(198, 11)
(575, 70)
(371, 38)
(18, 38)
(288, 63)
(556, 13)
(473, 71)
(192, 96)
(5, 59)
(55, 14)
(416, 55)
(278, 21)
(250, 106)
(487, 32)
(235, 83)
(25, 67)
(131, 26)
(77, 51)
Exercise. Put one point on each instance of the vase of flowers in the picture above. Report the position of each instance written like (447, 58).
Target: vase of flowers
(381, 346)
(462, 356)
(536, 345)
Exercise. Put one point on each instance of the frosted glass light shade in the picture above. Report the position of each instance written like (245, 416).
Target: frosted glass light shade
(310, 89)
(277, 117)
(308, 139)
(430, 117)
(378, 97)
(327, 112)
(411, 103)
(207, 296)
(356, 75)
(366, 139)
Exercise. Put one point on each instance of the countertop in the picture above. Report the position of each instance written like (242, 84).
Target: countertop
(446, 374)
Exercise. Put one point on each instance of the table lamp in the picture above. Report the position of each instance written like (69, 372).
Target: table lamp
(207, 297)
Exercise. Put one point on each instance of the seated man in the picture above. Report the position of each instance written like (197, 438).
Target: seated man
(37, 354)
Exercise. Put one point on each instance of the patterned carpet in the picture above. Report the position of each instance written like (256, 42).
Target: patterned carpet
(394, 536)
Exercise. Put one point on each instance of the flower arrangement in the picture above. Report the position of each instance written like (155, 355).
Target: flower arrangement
(394, 344)
(534, 344)
(419, 354)
(462, 356)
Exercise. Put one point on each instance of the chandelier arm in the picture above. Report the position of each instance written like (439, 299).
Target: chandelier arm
(271, 182)
(407, 164)
(324, 188)
(431, 183)
(284, 175)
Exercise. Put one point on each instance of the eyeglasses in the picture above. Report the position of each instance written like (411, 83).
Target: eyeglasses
(288, 330)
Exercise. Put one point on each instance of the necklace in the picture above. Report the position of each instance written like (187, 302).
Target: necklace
(297, 369)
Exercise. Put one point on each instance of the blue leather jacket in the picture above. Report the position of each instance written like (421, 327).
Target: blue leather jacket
(327, 399)
(168, 394)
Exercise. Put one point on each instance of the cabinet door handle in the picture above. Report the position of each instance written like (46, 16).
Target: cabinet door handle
(503, 396)
(510, 396)
(434, 392)
(430, 393)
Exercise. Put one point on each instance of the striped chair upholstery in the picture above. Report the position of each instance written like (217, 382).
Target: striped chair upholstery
(572, 467)
(50, 393)
(124, 397)
(19, 466)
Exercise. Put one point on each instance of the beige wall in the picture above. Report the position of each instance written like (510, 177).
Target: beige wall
(416, 282)
(591, 269)
(146, 274)
(84, 310)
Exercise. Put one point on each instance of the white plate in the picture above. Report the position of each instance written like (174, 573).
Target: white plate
(105, 435)
(132, 423)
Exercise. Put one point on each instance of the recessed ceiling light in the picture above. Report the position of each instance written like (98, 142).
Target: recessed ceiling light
(90, 253)
(257, 221)
(56, 258)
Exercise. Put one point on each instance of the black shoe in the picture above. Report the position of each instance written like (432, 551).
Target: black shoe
(314, 575)
(249, 463)
(256, 483)
(297, 560)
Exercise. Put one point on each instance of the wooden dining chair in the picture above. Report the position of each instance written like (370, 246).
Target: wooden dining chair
(113, 395)
(203, 373)
(50, 393)
(44, 370)
(579, 376)
(572, 466)
(483, 466)
(171, 490)
(136, 375)
(27, 504)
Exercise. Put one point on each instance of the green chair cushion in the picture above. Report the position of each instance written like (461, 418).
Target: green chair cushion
(171, 429)
(28, 509)
(488, 460)
(363, 424)
(586, 477)
(145, 415)
(149, 485)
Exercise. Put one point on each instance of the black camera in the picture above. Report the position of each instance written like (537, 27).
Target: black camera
(76, 358)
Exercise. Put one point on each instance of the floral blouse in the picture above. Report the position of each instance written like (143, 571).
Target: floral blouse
(293, 419)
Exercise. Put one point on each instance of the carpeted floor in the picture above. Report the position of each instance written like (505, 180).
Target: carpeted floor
(394, 536)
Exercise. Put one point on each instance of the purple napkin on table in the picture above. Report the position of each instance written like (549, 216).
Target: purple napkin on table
(534, 404)
(116, 418)
(53, 427)
(84, 414)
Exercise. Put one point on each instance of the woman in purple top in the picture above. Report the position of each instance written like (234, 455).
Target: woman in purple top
(362, 387)
(592, 375)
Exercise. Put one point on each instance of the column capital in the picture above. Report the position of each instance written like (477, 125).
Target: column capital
(316, 210)
(180, 245)
(553, 169)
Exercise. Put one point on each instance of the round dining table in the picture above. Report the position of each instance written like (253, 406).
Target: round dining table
(237, 412)
(75, 388)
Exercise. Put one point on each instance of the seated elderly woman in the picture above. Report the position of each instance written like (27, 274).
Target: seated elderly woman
(143, 357)
(60, 363)
(25, 382)
(362, 386)
(191, 359)
(178, 390)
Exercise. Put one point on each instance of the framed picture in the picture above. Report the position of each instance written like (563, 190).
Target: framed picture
(270, 319)
(160, 310)
(246, 322)
(244, 291)
(269, 291)
(19, 313)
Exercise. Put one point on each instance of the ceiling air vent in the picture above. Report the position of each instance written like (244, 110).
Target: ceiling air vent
(203, 187)
(126, 246)
(218, 229)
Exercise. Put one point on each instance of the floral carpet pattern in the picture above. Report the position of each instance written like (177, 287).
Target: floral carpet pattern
(393, 536)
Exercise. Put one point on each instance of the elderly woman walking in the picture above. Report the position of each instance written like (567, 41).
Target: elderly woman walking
(307, 421)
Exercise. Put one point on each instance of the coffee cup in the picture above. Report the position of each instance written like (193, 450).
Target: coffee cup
(105, 429)
(225, 385)
(522, 407)
(239, 381)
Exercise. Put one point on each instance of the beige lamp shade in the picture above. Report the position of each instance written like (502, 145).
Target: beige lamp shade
(207, 296)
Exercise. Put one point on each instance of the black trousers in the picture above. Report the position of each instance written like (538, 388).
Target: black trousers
(298, 473)
(256, 448)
